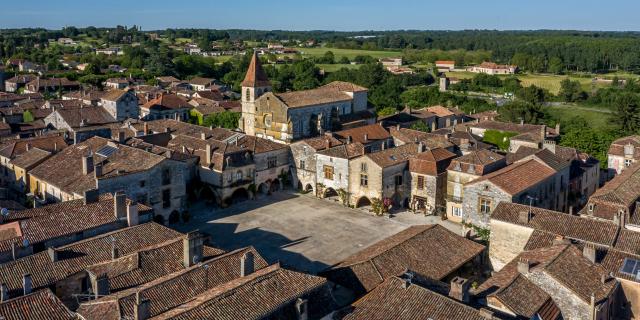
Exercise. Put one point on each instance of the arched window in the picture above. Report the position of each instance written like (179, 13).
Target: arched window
(248, 95)
(267, 120)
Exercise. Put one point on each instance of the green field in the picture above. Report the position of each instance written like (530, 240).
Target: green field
(549, 82)
(349, 53)
(598, 119)
(336, 67)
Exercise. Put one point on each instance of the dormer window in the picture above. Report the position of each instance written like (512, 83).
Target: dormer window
(591, 206)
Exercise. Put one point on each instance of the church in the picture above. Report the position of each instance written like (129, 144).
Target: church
(290, 116)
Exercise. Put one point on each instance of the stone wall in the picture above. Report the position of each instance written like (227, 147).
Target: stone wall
(507, 242)
(341, 173)
(471, 201)
(302, 153)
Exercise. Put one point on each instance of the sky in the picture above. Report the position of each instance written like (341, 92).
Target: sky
(341, 15)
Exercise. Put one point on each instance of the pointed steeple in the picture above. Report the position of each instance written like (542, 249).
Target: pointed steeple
(256, 77)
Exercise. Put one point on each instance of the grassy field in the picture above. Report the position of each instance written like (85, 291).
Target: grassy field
(349, 53)
(598, 119)
(549, 82)
(335, 67)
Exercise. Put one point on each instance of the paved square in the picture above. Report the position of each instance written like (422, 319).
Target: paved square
(300, 231)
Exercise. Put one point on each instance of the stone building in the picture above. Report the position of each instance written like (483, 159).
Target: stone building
(121, 104)
(166, 106)
(158, 181)
(428, 181)
(77, 118)
(622, 153)
(39, 305)
(556, 277)
(303, 162)
(382, 175)
(333, 170)
(290, 116)
(517, 228)
(466, 169)
(403, 136)
(617, 201)
(539, 182)
(530, 135)
(427, 251)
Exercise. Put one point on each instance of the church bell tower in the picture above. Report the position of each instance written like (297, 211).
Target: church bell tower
(254, 85)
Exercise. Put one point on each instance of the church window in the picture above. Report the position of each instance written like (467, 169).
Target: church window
(248, 95)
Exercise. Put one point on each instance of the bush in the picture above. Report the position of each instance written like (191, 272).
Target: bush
(498, 138)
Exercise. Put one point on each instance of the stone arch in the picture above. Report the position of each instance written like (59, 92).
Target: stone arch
(330, 192)
(308, 187)
(300, 186)
(363, 202)
(158, 219)
(239, 195)
(174, 217)
(263, 188)
(275, 185)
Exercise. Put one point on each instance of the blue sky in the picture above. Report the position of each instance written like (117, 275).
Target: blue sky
(327, 14)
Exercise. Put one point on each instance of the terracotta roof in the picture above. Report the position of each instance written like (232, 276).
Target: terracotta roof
(345, 86)
(321, 142)
(390, 300)
(255, 77)
(173, 288)
(429, 250)
(263, 294)
(30, 158)
(321, 95)
(40, 305)
(476, 162)
(441, 111)
(114, 95)
(201, 81)
(70, 178)
(14, 148)
(431, 162)
(60, 221)
(75, 257)
(565, 264)
(373, 132)
(574, 227)
(86, 116)
(214, 95)
(507, 126)
(429, 140)
(168, 79)
(621, 193)
(167, 102)
(392, 156)
(524, 298)
(617, 146)
(445, 62)
(518, 177)
(345, 151)
(550, 159)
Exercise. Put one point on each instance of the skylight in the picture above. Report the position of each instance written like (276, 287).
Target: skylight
(631, 267)
(106, 151)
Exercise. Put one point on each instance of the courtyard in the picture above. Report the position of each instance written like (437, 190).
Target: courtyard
(299, 231)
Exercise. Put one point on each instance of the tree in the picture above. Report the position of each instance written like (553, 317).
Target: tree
(628, 117)
(520, 110)
(571, 91)
(225, 119)
(555, 65)
(344, 60)
(531, 94)
(420, 126)
(27, 116)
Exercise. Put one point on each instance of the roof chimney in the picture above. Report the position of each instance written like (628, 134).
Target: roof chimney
(27, 284)
(589, 252)
(192, 245)
(27, 146)
(133, 216)
(90, 196)
(4, 292)
(120, 204)
(366, 137)
(97, 170)
(53, 254)
(420, 147)
(145, 128)
(203, 136)
(142, 308)
(460, 289)
(208, 155)
(524, 217)
(524, 265)
(87, 163)
(247, 264)
(301, 309)
(121, 136)
(522, 122)
(348, 139)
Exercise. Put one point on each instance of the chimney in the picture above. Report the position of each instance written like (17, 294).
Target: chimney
(398, 127)
(348, 139)
(604, 278)
(142, 308)
(121, 136)
(460, 289)
(97, 170)
(522, 122)
(420, 147)
(55, 147)
(53, 254)
(203, 136)
(543, 132)
(101, 286)
(4, 292)
(87, 164)
(90, 196)
(120, 204)
(464, 143)
(208, 155)
(366, 137)
(14, 251)
(192, 246)
(560, 240)
(523, 266)
(115, 253)
(558, 128)
(145, 128)
(589, 252)
(27, 284)
(524, 217)
(384, 143)
(434, 126)
(247, 265)
(27, 146)
(167, 129)
(133, 217)
(301, 309)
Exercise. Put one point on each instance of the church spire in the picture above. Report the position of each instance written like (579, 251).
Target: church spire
(256, 77)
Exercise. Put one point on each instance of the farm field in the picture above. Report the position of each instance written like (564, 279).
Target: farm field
(598, 119)
(549, 82)
(349, 53)
(336, 67)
